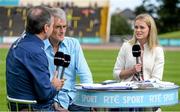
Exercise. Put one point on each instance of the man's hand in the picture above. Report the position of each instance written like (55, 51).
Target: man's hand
(57, 83)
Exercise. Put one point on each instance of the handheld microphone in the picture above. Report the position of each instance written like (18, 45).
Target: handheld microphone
(58, 60)
(136, 51)
(67, 60)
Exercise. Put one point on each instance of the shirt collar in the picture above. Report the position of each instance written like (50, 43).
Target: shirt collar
(48, 44)
(36, 39)
(145, 45)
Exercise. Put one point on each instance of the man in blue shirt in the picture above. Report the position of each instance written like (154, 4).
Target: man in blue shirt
(78, 64)
(27, 74)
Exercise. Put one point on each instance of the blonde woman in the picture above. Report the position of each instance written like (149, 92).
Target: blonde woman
(151, 61)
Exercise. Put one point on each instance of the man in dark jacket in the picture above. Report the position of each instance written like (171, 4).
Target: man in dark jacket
(27, 74)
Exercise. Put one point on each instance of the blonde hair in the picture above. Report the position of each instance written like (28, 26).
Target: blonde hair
(152, 36)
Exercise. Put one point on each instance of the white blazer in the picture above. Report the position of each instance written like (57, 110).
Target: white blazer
(153, 62)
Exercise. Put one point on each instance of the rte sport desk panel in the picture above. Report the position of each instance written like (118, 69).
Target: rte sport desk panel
(127, 98)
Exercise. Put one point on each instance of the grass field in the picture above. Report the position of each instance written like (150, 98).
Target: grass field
(175, 34)
(101, 63)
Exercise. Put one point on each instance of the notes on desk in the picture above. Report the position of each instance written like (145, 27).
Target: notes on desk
(164, 84)
(148, 84)
(113, 86)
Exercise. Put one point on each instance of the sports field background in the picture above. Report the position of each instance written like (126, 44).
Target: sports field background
(101, 63)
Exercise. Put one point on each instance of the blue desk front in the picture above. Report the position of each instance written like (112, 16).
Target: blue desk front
(126, 98)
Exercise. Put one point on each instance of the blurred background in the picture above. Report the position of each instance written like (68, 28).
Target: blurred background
(96, 21)
(101, 26)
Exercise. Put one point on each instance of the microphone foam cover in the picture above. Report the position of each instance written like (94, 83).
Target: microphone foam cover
(59, 59)
(136, 50)
(67, 59)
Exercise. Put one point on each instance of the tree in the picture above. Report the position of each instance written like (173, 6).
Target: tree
(169, 15)
(140, 9)
(119, 25)
(146, 7)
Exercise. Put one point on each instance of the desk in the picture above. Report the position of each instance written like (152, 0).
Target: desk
(126, 98)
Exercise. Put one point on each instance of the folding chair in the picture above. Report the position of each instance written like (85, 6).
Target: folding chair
(18, 102)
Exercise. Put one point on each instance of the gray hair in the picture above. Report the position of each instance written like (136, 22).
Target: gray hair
(59, 13)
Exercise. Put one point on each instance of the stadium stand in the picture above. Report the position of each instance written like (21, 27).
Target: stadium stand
(82, 21)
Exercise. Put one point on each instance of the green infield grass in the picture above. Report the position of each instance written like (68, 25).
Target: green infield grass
(101, 63)
(175, 34)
